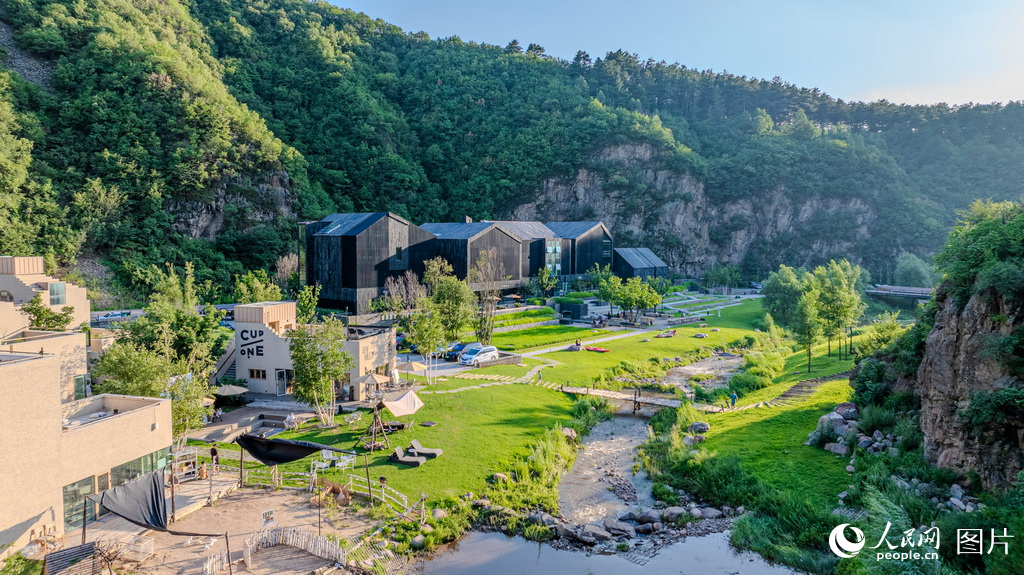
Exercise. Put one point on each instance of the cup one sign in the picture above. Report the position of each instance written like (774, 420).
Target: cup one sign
(252, 343)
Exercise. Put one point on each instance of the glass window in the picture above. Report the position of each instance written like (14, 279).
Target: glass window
(74, 494)
(6, 295)
(79, 387)
(58, 294)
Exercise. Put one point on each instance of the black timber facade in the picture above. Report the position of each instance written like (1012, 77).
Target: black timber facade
(462, 244)
(638, 262)
(351, 256)
(583, 245)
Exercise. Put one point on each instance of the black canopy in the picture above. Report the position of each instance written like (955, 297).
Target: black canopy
(141, 501)
(277, 451)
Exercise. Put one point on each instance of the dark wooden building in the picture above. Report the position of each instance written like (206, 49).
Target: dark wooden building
(540, 246)
(638, 262)
(583, 245)
(351, 256)
(462, 243)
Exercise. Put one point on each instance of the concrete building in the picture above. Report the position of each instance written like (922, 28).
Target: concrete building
(259, 353)
(68, 346)
(55, 452)
(21, 278)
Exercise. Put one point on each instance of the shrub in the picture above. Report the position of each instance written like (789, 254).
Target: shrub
(568, 301)
(872, 382)
(876, 418)
(746, 382)
(903, 401)
(535, 301)
(772, 363)
(908, 430)
(702, 377)
(580, 294)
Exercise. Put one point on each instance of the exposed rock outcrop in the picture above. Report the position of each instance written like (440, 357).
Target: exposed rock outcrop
(647, 202)
(258, 200)
(955, 366)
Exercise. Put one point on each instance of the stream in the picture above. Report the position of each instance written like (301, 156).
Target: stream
(600, 485)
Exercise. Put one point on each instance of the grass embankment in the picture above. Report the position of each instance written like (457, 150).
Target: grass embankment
(581, 368)
(544, 335)
(769, 442)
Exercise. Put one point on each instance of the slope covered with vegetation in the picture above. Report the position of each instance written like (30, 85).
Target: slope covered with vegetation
(199, 129)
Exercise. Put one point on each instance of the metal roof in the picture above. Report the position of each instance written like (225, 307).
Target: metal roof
(349, 224)
(526, 230)
(640, 258)
(571, 229)
(457, 230)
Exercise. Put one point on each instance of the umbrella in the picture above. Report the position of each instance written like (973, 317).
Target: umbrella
(208, 401)
(371, 378)
(231, 390)
(411, 366)
(515, 296)
(406, 404)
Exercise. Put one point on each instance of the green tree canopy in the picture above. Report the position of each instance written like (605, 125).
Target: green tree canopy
(319, 359)
(256, 286)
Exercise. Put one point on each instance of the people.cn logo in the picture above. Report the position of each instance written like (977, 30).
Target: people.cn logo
(842, 546)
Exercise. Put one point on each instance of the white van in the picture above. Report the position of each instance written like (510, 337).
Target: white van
(475, 356)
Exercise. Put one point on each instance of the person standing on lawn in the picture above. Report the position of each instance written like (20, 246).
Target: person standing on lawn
(733, 397)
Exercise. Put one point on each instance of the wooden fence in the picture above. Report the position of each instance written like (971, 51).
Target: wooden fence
(215, 563)
(358, 485)
(365, 553)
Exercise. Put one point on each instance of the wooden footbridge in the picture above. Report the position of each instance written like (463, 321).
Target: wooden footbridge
(634, 395)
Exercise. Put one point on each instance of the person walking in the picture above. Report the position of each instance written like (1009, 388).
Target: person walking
(215, 457)
(733, 397)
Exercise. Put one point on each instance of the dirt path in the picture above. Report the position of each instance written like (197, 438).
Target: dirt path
(601, 483)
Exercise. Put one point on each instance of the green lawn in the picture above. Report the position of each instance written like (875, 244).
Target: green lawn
(796, 370)
(769, 442)
(481, 431)
(543, 336)
(581, 367)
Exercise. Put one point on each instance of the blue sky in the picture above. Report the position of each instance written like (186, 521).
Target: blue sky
(912, 51)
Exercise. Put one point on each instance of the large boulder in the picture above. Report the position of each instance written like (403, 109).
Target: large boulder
(619, 528)
(699, 427)
(596, 533)
(711, 513)
(837, 448)
(439, 513)
(671, 514)
(649, 516)
(418, 542)
(847, 410)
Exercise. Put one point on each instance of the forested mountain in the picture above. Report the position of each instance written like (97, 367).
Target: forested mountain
(170, 130)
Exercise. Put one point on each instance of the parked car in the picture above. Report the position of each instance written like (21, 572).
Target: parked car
(476, 355)
(115, 315)
(460, 348)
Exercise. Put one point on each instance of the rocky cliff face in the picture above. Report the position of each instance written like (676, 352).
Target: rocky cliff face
(650, 204)
(258, 200)
(954, 368)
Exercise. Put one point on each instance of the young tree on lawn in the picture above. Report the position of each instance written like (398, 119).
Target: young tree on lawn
(598, 275)
(608, 290)
(782, 291)
(44, 318)
(286, 272)
(546, 280)
(636, 296)
(488, 275)
(402, 294)
(256, 286)
(319, 359)
(435, 270)
(839, 301)
(306, 302)
(425, 332)
(453, 305)
(722, 276)
(806, 325)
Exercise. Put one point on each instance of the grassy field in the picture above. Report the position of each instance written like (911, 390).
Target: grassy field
(581, 367)
(796, 370)
(542, 336)
(769, 442)
(480, 431)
